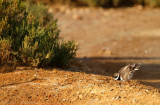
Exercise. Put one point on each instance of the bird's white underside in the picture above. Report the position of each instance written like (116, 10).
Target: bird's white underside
(121, 78)
(117, 77)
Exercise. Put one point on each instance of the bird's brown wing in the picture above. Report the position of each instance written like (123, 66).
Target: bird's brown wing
(125, 73)
(124, 68)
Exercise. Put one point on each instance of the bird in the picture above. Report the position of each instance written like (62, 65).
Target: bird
(126, 73)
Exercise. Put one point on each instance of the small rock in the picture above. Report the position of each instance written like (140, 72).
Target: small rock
(30, 97)
(55, 71)
(111, 89)
(50, 10)
(35, 75)
(102, 92)
(55, 83)
(105, 51)
(74, 10)
(92, 92)
(46, 99)
(82, 10)
(77, 17)
(68, 11)
(107, 13)
(55, 10)
(116, 98)
(62, 8)
(80, 80)
(134, 100)
(136, 50)
(140, 7)
(113, 98)
(77, 92)
(64, 99)
(80, 96)
(146, 51)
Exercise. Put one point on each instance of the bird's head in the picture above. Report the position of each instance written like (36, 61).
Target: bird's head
(135, 66)
(116, 76)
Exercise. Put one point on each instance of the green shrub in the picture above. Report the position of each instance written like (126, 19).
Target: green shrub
(13, 20)
(63, 53)
(141, 2)
(33, 41)
(40, 12)
(4, 52)
(7, 61)
(116, 3)
(94, 3)
(66, 2)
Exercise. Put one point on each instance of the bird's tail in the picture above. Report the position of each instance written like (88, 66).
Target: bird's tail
(136, 66)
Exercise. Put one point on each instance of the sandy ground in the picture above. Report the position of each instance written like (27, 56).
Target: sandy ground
(108, 39)
(56, 87)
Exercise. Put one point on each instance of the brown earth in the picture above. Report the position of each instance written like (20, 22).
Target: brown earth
(108, 39)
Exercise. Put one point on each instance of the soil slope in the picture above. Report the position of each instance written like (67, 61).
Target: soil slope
(59, 87)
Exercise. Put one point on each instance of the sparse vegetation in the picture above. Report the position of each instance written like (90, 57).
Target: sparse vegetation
(7, 61)
(152, 3)
(39, 12)
(30, 38)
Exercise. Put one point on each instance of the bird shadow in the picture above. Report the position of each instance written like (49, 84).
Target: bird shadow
(13, 84)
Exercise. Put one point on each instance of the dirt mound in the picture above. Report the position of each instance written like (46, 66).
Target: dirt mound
(60, 87)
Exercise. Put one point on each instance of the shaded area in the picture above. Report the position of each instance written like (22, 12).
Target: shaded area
(12, 84)
(154, 84)
(149, 73)
(121, 58)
